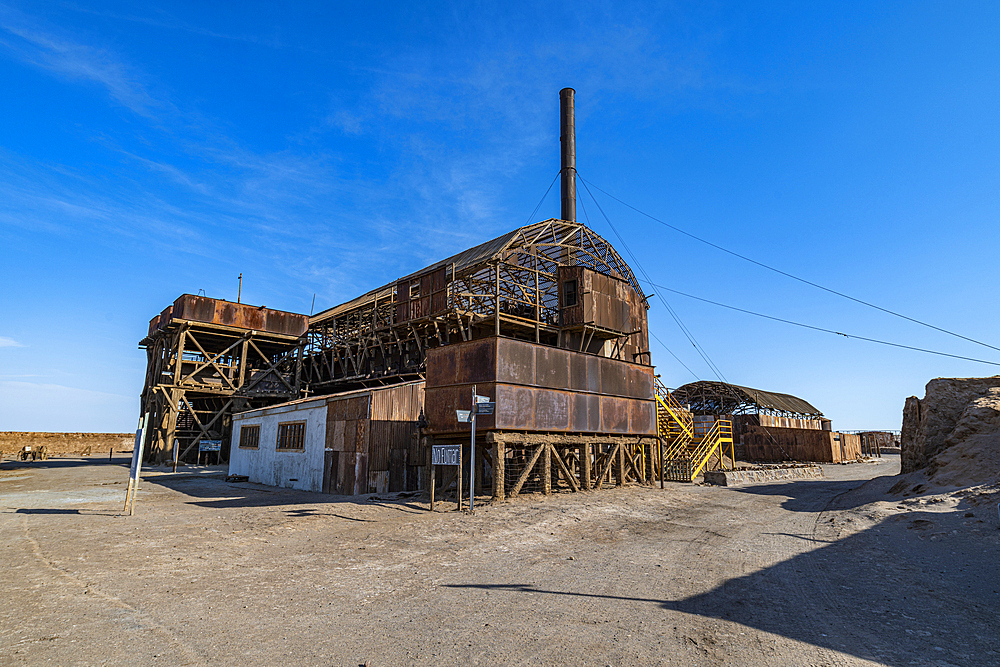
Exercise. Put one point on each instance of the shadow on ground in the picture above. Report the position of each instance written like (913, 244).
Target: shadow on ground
(216, 493)
(56, 463)
(906, 591)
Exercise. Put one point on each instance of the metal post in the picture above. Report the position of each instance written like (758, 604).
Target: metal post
(660, 440)
(459, 479)
(567, 140)
(472, 455)
(137, 453)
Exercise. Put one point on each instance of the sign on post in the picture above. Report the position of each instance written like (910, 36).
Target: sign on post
(485, 408)
(209, 445)
(464, 416)
(445, 455)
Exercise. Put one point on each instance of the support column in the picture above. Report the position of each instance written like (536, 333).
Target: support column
(172, 402)
(585, 474)
(547, 469)
(621, 465)
(499, 471)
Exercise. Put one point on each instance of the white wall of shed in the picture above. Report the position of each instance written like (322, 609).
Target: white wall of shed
(266, 464)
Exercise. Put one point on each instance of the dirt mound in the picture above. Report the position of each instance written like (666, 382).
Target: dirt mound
(952, 435)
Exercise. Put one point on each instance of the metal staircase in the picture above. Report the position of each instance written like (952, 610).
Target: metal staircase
(689, 446)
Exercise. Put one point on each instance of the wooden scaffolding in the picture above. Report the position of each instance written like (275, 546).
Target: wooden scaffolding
(207, 358)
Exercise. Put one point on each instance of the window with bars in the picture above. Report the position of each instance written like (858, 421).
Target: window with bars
(291, 435)
(250, 436)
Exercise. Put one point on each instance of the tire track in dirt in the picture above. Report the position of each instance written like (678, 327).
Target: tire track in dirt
(142, 618)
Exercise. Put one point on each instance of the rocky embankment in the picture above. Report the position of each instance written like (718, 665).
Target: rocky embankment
(952, 435)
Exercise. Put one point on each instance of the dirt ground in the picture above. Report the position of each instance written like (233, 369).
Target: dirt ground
(811, 572)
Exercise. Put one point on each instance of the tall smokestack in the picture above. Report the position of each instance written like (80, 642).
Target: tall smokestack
(567, 139)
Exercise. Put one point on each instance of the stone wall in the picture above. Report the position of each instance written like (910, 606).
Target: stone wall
(74, 444)
(948, 414)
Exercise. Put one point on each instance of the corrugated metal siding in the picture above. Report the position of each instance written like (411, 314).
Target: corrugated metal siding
(395, 439)
(398, 403)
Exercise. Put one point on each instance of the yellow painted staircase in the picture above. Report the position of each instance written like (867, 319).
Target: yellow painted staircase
(689, 446)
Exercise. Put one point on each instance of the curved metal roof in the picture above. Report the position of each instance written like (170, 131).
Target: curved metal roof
(589, 249)
(706, 396)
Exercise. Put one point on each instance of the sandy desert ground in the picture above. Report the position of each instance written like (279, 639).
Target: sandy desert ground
(813, 572)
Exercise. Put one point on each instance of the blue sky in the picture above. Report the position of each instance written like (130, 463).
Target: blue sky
(148, 150)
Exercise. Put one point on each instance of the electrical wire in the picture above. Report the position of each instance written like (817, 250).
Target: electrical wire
(815, 328)
(583, 207)
(540, 201)
(687, 332)
(684, 329)
(789, 275)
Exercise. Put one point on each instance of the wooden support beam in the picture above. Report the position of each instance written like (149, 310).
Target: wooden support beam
(499, 470)
(565, 470)
(585, 461)
(523, 477)
(621, 465)
(608, 462)
(547, 469)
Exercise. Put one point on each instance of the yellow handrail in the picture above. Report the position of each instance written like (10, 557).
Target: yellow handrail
(720, 433)
(675, 410)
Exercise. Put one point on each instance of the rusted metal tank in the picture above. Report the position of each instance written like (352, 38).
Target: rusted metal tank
(538, 388)
(240, 315)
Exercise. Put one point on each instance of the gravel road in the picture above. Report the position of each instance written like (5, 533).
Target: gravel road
(810, 572)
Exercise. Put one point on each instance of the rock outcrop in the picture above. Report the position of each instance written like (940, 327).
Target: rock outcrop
(953, 433)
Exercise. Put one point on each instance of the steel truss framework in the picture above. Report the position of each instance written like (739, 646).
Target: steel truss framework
(198, 374)
(707, 397)
(508, 286)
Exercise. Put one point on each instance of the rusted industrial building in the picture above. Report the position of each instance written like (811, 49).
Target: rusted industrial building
(546, 321)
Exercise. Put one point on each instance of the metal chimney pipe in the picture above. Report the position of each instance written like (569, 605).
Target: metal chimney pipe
(567, 140)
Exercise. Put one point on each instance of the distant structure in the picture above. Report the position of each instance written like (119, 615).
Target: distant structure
(767, 425)
(206, 358)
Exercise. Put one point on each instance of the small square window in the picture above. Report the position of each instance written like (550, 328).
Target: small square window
(249, 436)
(291, 435)
(569, 294)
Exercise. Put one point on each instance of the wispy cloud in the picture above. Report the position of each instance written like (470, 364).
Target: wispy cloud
(27, 40)
(9, 342)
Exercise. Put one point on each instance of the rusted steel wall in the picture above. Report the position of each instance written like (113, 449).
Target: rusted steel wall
(799, 444)
(789, 422)
(242, 315)
(538, 388)
(395, 455)
(345, 468)
(430, 297)
(372, 440)
(607, 302)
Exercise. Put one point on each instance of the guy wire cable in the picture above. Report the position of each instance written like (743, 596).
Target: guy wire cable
(704, 355)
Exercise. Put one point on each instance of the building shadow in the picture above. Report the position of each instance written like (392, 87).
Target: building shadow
(814, 495)
(46, 510)
(56, 463)
(906, 591)
(212, 491)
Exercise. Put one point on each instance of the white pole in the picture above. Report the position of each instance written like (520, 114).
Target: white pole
(133, 488)
(472, 456)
